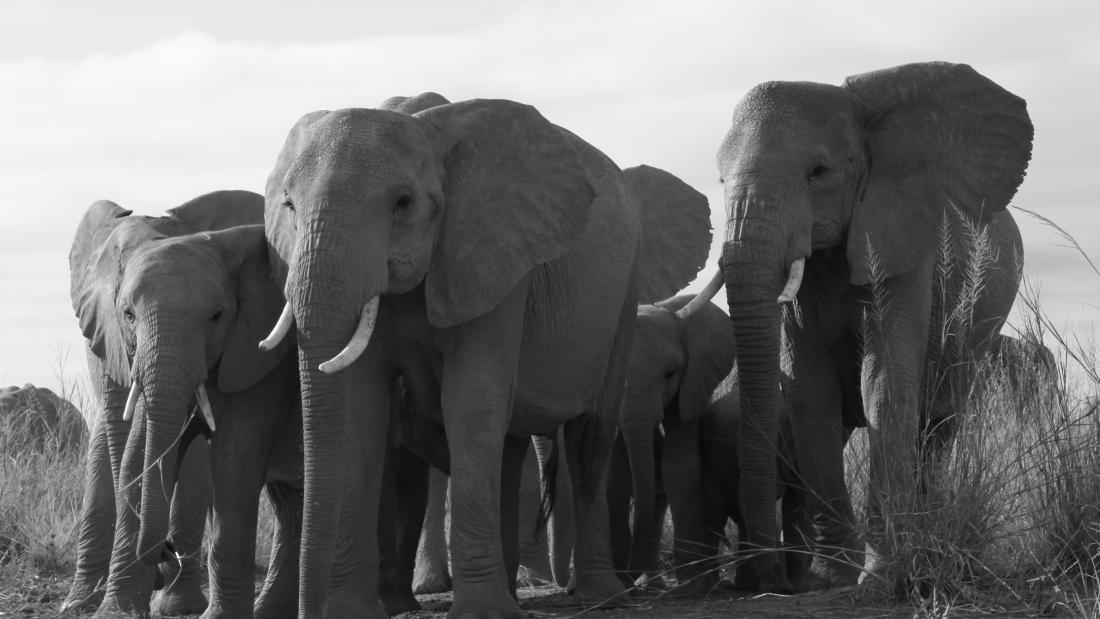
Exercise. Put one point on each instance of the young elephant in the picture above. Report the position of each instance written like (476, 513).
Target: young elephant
(675, 365)
(172, 308)
(719, 429)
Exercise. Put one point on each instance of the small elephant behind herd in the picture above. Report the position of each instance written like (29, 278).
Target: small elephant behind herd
(432, 284)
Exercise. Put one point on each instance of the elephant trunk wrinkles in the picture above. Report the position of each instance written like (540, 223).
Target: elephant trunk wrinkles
(754, 273)
(167, 388)
(326, 292)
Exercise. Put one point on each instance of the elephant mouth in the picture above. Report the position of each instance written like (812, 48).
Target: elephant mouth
(403, 275)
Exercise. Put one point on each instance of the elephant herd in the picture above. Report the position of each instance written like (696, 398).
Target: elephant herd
(434, 283)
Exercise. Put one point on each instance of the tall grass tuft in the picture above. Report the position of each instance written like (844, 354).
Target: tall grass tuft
(1006, 511)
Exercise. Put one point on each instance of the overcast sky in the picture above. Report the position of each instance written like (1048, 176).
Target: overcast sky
(152, 106)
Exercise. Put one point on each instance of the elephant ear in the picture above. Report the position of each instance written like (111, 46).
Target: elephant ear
(939, 136)
(676, 232)
(95, 271)
(217, 210)
(516, 195)
(709, 359)
(412, 105)
(259, 302)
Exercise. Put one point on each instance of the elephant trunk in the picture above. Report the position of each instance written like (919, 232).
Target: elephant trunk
(327, 290)
(642, 410)
(167, 387)
(754, 263)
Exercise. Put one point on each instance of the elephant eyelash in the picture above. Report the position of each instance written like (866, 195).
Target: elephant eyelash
(128, 314)
(287, 202)
(216, 317)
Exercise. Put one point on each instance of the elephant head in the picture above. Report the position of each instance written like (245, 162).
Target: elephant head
(42, 417)
(166, 302)
(867, 168)
(462, 198)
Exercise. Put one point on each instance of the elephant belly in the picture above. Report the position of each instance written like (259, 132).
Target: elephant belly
(574, 317)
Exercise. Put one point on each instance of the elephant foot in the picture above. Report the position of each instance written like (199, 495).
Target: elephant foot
(431, 581)
(770, 575)
(598, 589)
(82, 598)
(827, 571)
(484, 602)
(649, 582)
(114, 608)
(182, 590)
(397, 602)
(372, 610)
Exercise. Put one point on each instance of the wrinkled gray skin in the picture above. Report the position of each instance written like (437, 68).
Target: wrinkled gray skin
(675, 365)
(859, 179)
(178, 302)
(506, 301)
(50, 421)
(1026, 364)
(719, 428)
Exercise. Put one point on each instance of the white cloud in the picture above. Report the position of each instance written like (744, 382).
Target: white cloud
(160, 109)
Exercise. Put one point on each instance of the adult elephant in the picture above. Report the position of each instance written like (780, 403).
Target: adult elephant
(45, 419)
(171, 308)
(848, 191)
(497, 252)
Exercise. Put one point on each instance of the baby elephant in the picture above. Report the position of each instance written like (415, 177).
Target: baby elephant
(719, 429)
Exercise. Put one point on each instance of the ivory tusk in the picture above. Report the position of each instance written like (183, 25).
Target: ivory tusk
(704, 296)
(794, 282)
(204, 406)
(131, 400)
(359, 340)
(282, 327)
(661, 428)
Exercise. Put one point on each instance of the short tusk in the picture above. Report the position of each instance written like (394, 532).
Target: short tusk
(661, 428)
(794, 282)
(359, 340)
(704, 297)
(282, 327)
(131, 400)
(204, 406)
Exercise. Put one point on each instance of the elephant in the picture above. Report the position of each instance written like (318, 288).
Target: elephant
(844, 259)
(719, 428)
(171, 308)
(1025, 363)
(46, 419)
(496, 252)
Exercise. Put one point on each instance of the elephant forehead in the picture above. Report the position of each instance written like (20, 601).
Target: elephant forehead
(376, 138)
(175, 269)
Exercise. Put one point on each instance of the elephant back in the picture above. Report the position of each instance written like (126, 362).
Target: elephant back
(676, 232)
(33, 418)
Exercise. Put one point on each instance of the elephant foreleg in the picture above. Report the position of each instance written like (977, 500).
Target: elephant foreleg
(97, 515)
(682, 475)
(534, 552)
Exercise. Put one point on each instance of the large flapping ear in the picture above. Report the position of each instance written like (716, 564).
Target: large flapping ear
(104, 236)
(676, 232)
(259, 302)
(516, 195)
(709, 356)
(217, 210)
(938, 136)
(279, 221)
(412, 105)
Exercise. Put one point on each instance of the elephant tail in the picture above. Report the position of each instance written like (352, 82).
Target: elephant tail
(548, 485)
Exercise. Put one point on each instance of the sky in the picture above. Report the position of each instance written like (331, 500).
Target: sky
(150, 104)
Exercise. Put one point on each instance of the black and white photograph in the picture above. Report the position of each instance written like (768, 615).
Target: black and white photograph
(549, 308)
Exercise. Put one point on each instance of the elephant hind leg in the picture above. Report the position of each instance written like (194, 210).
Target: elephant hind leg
(432, 574)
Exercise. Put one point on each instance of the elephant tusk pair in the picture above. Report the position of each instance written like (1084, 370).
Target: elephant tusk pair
(790, 290)
(359, 340)
(794, 282)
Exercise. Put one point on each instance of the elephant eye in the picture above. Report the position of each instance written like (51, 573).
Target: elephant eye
(404, 201)
(128, 314)
(818, 172)
(287, 202)
(216, 317)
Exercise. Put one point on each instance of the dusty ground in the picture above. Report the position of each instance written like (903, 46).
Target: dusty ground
(40, 596)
